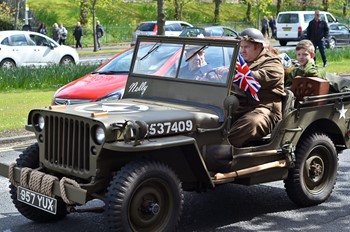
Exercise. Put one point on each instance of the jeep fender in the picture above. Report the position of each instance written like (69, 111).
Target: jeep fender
(180, 152)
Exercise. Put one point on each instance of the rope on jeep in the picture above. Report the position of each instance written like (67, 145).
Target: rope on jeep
(63, 181)
(41, 182)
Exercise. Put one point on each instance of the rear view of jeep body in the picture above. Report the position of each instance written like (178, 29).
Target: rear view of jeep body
(140, 153)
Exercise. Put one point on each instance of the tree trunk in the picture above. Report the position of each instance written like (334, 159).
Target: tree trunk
(177, 8)
(161, 18)
(93, 11)
(84, 12)
(217, 11)
(249, 12)
(278, 7)
(344, 8)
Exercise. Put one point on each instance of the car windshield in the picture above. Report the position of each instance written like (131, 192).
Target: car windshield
(189, 62)
(120, 64)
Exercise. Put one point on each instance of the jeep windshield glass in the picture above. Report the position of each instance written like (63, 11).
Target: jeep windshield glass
(188, 62)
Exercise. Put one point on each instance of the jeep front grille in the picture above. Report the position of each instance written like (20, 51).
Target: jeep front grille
(67, 143)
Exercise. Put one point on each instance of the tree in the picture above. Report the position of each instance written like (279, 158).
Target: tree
(217, 10)
(178, 7)
(160, 18)
(84, 12)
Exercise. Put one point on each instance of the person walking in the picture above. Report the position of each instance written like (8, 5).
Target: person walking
(265, 27)
(99, 33)
(317, 32)
(78, 33)
(55, 30)
(272, 25)
(42, 29)
(62, 34)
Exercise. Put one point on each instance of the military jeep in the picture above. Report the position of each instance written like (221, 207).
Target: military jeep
(140, 153)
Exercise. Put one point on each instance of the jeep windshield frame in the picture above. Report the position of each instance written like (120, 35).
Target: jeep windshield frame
(159, 74)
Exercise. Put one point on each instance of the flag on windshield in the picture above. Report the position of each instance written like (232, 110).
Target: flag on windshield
(245, 79)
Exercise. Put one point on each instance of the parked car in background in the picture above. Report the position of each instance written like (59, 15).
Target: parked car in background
(291, 24)
(108, 81)
(27, 48)
(208, 31)
(338, 34)
(172, 28)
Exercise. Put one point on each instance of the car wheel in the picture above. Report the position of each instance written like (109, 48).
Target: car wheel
(283, 42)
(67, 60)
(30, 159)
(312, 179)
(331, 43)
(7, 63)
(144, 196)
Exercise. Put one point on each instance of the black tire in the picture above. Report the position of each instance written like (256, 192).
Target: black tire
(312, 179)
(67, 60)
(283, 42)
(144, 196)
(30, 158)
(7, 63)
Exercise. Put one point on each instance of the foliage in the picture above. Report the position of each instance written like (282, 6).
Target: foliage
(50, 77)
(7, 17)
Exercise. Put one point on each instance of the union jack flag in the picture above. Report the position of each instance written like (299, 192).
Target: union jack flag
(245, 79)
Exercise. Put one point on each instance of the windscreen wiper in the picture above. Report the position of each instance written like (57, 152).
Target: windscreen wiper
(154, 48)
(195, 53)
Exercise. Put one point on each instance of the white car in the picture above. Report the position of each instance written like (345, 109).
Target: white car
(172, 28)
(27, 48)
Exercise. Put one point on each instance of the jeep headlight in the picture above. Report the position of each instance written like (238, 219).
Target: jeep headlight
(39, 122)
(99, 135)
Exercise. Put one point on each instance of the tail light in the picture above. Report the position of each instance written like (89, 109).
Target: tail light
(155, 29)
(300, 29)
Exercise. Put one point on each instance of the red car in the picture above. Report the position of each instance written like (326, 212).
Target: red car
(108, 81)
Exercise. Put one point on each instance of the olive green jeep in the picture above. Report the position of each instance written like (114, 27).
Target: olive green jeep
(140, 153)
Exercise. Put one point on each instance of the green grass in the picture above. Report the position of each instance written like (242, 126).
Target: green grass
(15, 106)
(50, 77)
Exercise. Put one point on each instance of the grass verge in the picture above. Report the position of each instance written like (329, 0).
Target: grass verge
(15, 106)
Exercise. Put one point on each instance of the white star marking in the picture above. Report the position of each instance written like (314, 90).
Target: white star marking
(342, 112)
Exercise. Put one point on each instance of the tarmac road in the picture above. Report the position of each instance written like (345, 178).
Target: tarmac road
(227, 208)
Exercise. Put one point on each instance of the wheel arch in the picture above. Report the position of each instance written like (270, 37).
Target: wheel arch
(9, 58)
(67, 55)
(184, 159)
(328, 127)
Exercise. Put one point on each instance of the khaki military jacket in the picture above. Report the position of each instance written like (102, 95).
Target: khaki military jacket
(268, 71)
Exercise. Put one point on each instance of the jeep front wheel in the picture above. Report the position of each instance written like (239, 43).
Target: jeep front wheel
(30, 159)
(312, 179)
(144, 196)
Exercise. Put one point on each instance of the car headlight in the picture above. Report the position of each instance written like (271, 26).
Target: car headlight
(116, 95)
(100, 135)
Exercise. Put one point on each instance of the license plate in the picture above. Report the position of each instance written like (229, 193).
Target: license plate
(286, 28)
(37, 200)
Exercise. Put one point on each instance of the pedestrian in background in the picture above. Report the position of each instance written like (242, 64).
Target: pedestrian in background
(55, 30)
(78, 33)
(42, 29)
(317, 32)
(99, 33)
(272, 25)
(62, 34)
(265, 27)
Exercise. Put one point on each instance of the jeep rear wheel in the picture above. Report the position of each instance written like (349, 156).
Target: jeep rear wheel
(312, 180)
(144, 196)
(30, 159)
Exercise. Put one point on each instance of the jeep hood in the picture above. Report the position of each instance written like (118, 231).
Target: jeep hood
(162, 117)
